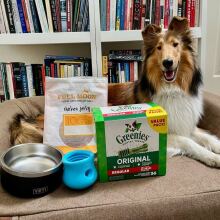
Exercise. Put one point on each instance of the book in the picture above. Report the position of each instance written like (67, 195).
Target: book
(108, 15)
(137, 14)
(180, 8)
(175, 7)
(131, 4)
(127, 71)
(122, 14)
(22, 17)
(104, 65)
(24, 81)
(170, 11)
(69, 15)
(143, 12)
(42, 16)
(35, 18)
(162, 13)
(4, 81)
(188, 10)
(103, 14)
(2, 93)
(147, 14)
(184, 8)
(58, 15)
(29, 14)
(63, 15)
(197, 13)
(166, 13)
(157, 12)
(112, 14)
(75, 15)
(16, 16)
(10, 80)
(53, 15)
(118, 15)
(17, 79)
(7, 8)
(26, 18)
(193, 10)
(135, 70)
(49, 15)
(2, 22)
(38, 79)
(132, 71)
(30, 82)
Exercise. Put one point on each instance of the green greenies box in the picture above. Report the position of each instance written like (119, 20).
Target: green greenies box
(131, 141)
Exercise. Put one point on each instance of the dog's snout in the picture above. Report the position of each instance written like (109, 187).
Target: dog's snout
(167, 63)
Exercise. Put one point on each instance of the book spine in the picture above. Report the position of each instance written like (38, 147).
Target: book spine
(26, 15)
(53, 14)
(122, 72)
(197, 13)
(127, 71)
(58, 15)
(2, 92)
(28, 7)
(103, 14)
(42, 16)
(175, 7)
(108, 16)
(22, 18)
(55, 71)
(125, 14)
(24, 81)
(184, 8)
(17, 79)
(153, 10)
(16, 17)
(188, 10)
(180, 7)
(85, 16)
(2, 23)
(35, 18)
(104, 65)
(192, 16)
(135, 71)
(171, 10)
(118, 13)
(31, 89)
(69, 17)
(112, 14)
(63, 15)
(9, 14)
(137, 14)
(166, 13)
(10, 81)
(147, 14)
(49, 15)
(132, 71)
(131, 14)
(42, 72)
(52, 70)
(5, 17)
(122, 14)
(4, 80)
(143, 12)
(80, 15)
(157, 12)
(162, 14)
(41, 79)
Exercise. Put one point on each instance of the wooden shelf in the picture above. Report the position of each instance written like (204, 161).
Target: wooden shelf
(45, 38)
(134, 35)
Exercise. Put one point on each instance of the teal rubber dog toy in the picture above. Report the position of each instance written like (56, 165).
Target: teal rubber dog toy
(79, 169)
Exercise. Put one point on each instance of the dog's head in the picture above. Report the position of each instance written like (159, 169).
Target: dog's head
(169, 56)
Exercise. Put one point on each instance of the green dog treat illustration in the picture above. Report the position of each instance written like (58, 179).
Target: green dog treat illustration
(127, 152)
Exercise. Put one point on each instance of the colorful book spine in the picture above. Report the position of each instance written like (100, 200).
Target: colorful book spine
(103, 4)
(157, 12)
(53, 14)
(16, 16)
(24, 81)
(112, 14)
(4, 80)
(180, 8)
(30, 18)
(49, 15)
(118, 15)
(131, 14)
(63, 15)
(143, 12)
(17, 79)
(58, 15)
(42, 16)
(122, 14)
(147, 14)
(10, 80)
(188, 10)
(193, 11)
(24, 7)
(170, 11)
(153, 9)
(104, 65)
(31, 89)
(162, 13)
(75, 14)
(184, 8)
(108, 16)
(132, 71)
(9, 15)
(2, 23)
(69, 17)
(35, 18)
(127, 71)
(166, 14)
(5, 17)
(137, 14)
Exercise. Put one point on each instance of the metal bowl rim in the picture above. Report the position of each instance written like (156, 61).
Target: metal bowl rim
(47, 172)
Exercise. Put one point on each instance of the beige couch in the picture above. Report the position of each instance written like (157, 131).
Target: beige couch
(190, 190)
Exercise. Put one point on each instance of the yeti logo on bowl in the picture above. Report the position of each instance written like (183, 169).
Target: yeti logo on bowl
(38, 191)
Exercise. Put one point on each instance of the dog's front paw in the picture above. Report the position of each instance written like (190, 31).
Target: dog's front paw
(213, 161)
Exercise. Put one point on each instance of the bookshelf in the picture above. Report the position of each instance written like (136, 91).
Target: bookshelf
(97, 39)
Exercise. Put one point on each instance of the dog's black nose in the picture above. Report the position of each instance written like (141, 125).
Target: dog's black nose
(167, 63)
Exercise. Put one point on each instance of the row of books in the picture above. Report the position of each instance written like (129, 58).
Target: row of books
(19, 80)
(122, 65)
(135, 14)
(36, 16)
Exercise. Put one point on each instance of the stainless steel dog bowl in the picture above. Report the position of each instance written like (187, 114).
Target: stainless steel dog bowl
(30, 170)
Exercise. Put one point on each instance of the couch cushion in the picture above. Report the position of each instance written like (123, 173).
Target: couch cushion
(190, 189)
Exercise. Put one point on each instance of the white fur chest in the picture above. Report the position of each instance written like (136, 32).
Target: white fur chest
(183, 110)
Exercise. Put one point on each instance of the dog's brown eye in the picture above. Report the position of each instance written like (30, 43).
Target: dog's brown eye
(159, 47)
(175, 44)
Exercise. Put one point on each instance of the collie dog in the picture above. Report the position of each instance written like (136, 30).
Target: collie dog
(171, 78)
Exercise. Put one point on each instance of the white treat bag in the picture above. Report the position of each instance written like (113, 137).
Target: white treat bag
(68, 122)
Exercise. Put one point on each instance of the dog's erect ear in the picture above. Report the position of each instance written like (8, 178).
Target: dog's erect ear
(151, 30)
(179, 24)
